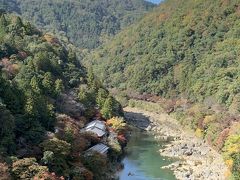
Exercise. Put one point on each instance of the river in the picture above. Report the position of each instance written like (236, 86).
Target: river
(143, 160)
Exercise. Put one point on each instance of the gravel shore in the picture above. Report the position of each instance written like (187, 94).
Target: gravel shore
(196, 159)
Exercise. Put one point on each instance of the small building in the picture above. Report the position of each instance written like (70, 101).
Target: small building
(100, 148)
(96, 127)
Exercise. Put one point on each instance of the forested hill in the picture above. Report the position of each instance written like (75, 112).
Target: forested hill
(86, 23)
(184, 47)
(186, 50)
(42, 108)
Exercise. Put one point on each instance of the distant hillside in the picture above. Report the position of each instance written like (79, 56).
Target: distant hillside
(182, 48)
(87, 23)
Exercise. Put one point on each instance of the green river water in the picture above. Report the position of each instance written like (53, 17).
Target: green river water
(143, 160)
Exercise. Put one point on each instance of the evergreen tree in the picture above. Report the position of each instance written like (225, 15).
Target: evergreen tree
(30, 106)
(3, 22)
(107, 109)
(72, 56)
(29, 29)
(91, 82)
(59, 86)
(48, 83)
(3, 28)
(82, 95)
(101, 97)
(18, 22)
(6, 130)
(34, 85)
(2, 84)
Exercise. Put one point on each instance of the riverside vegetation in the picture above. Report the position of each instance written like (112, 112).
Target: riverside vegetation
(207, 123)
(194, 159)
(184, 50)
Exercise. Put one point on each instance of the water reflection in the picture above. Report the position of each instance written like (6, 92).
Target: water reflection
(143, 161)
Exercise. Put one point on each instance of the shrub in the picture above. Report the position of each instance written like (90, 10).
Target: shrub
(148, 106)
(232, 145)
(199, 133)
(27, 168)
(212, 133)
(97, 164)
(236, 165)
(231, 152)
(116, 148)
(57, 146)
(208, 119)
(48, 176)
(117, 123)
(57, 162)
(81, 173)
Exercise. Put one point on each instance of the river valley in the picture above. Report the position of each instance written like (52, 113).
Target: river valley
(147, 155)
(143, 161)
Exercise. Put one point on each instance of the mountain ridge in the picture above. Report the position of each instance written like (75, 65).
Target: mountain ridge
(85, 23)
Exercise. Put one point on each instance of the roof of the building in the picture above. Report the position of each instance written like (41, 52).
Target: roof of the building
(100, 148)
(97, 127)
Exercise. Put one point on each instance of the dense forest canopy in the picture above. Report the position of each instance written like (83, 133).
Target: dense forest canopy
(86, 23)
(184, 47)
(46, 97)
(34, 69)
(185, 50)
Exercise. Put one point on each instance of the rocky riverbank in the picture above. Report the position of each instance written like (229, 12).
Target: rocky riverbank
(196, 159)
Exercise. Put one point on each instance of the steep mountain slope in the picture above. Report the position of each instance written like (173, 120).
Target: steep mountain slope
(42, 110)
(86, 23)
(183, 47)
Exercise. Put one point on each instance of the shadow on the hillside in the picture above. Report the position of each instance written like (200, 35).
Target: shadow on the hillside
(137, 119)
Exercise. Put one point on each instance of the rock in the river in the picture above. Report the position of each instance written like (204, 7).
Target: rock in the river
(198, 161)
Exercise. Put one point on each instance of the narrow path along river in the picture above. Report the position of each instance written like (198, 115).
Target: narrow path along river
(143, 160)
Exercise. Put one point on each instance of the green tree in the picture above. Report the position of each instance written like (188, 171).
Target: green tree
(6, 130)
(107, 109)
(82, 94)
(236, 165)
(35, 85)
(48, 83)
(59, 86)
(29, 30)
(96, 160)
(57, 146)
(101, 97)
(61, 150)
(30, 106)
(48, 157)
(18, 22)
(91, 82)
(3, 25)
